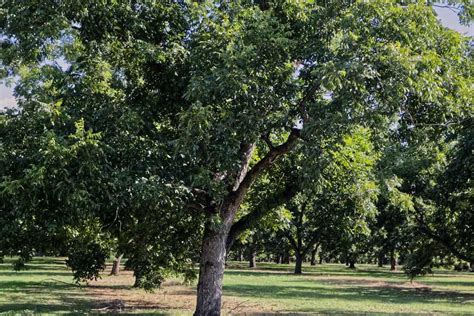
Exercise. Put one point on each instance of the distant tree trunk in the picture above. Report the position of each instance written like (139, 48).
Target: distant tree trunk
(116, 265)
(298, 262)
(286, 258)
(253, 257)
(471, 266)
(278, 258)
(313, 256)
(380, 259)
(352, 264)
(138, 279)
(393, 261)
(321, 258)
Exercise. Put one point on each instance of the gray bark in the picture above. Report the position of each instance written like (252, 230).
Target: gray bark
(116, 265)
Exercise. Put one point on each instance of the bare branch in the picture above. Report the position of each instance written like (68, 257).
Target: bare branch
(447, 6)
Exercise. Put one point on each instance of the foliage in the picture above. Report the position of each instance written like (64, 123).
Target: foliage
(87, 251)
(165, 113)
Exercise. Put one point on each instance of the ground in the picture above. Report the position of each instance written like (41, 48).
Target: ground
(46, 287)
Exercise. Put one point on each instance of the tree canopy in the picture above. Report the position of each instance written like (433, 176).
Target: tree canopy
(146, 126)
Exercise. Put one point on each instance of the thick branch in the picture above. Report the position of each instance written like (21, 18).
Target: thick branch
(267, 161)
(246, 151)
(293, 242)
(236, 196)
(282, 149)
(263, 208)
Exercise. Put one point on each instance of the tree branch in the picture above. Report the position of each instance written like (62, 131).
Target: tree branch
(447, 6)
(237, 195)
(263, 208)
(292, 241)
(266, 161)
(316, 237)
(444, 241)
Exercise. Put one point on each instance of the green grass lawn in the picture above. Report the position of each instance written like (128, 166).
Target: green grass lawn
(336, 289)
(46, 287)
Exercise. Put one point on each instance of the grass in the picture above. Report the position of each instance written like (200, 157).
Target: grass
(46, 287)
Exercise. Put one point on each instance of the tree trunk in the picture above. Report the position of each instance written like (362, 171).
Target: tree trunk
(241, 256)
(352, 264)
(116, 265)
(393, 261)
(253, 257)
(138, 279)
(313, 256)
(213, 252)
(298, 263)
(380, 259)
(321, 258)
(286, 258)
(211, 272)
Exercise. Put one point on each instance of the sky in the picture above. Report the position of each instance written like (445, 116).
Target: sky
(447, 17)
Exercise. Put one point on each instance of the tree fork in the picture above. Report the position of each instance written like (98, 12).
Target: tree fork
(213, 253)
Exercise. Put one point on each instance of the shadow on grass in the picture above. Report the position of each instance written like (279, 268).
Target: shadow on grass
(467, 283)
(45, 273)
(389, 294)
(55, 297)
(275, 273)
(35, 267)
(44, 286)
(330, 269)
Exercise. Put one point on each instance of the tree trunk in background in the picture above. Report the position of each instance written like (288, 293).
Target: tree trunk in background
(321, 257)
(298, 262)
(380, 259)
(253, 256)
(138, 279)
(393, 261)
(352, 264)
(116, 265)
(241, 255)
(211, 272)
(313, 256)
(286, 258)
(278, 258)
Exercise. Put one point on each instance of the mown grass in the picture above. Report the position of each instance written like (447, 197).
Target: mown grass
(46, 287)
(369, 289)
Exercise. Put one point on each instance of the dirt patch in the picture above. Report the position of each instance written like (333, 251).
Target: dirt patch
(116, 294)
